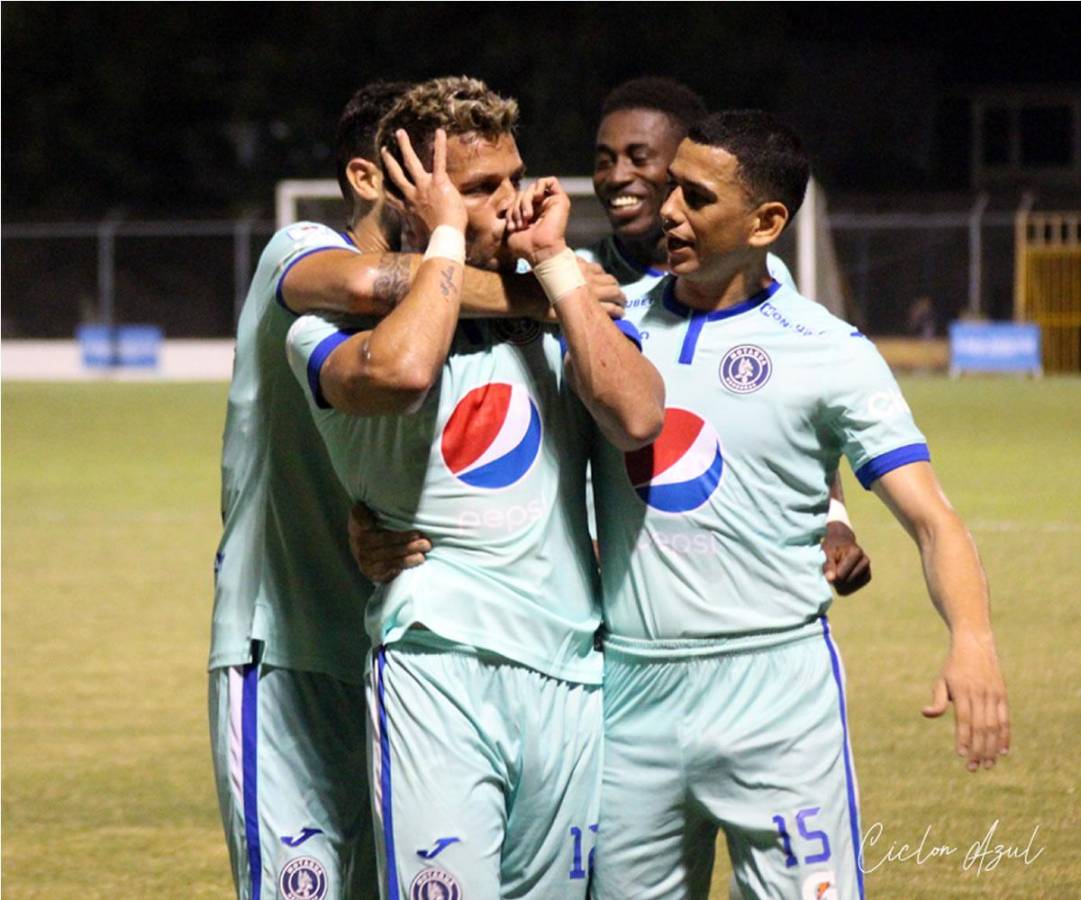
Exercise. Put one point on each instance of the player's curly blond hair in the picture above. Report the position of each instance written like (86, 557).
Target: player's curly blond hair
(457, 104)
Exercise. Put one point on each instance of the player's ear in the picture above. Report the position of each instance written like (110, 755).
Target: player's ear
(366, 179)
(770, 219)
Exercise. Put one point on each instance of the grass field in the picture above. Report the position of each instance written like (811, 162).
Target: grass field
(110, 498)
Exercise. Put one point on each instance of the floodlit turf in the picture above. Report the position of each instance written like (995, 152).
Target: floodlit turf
(110, 497)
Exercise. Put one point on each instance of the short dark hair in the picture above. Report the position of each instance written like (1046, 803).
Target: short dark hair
(358, 125)
(666, 95)
(772, 162)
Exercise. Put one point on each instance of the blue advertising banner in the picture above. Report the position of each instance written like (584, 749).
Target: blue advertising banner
(127, 346)
(995, 347)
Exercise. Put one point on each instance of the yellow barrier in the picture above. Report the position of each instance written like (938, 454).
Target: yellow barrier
(1047, 287)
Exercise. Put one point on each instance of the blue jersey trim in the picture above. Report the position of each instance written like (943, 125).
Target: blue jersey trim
(249, 722)
(281, 278)
(629, 331)
(850, 782)
(698, 318)
(875, 468)
(349, 238)
(384, 756)
(319, 356)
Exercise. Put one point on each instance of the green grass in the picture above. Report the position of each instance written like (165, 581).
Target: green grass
(110, 498)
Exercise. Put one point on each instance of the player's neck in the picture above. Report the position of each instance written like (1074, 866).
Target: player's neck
(368, 234)
(649, 252)
(729, 287)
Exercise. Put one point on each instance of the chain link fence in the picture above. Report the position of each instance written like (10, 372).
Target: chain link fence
(902, 273)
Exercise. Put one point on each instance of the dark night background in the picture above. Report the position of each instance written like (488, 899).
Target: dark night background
(178, 109)
(175, 111)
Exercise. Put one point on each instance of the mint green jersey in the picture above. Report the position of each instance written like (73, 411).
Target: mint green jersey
(284, 572)
(638, 282)
(491, 468)
(715, 529)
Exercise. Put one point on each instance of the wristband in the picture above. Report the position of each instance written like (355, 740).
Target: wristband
(837, 513)
(559, 275)
(446, 242)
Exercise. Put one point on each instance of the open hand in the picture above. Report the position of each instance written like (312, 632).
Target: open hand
(381, 555)
(429, 197)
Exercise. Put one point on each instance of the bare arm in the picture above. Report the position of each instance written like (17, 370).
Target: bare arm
(392, 367)
(971, 677)
(372, 284)
(619, 386)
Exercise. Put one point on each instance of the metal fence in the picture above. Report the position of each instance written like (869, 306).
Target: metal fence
(902, 273)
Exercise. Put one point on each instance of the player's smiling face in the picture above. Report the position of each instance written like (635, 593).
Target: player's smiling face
(487, 173)
(630, 169)
(709, 216)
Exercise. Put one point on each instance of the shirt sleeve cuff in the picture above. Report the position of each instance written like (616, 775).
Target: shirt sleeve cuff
(875, 468)
(315, 363)
(281, 278)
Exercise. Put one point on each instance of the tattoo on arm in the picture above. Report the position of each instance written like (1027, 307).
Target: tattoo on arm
(391, 279)
(446, 282)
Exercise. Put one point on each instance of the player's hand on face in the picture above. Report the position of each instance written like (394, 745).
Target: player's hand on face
(430, 197)
(972, 680)
(537, 221)
(847, 566)
(381, 555)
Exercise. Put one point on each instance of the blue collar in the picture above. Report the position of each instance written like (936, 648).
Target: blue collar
(698, 318)
(673, 305)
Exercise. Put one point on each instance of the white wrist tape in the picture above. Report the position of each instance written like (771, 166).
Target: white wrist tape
(837, 513)
(559, 275)
(446, 242)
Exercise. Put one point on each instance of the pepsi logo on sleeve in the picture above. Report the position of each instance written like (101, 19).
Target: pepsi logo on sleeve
(493, 437)
(680, 470)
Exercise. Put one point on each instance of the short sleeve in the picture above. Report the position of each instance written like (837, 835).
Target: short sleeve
(869, 415)
(301, 240)
(310, 341)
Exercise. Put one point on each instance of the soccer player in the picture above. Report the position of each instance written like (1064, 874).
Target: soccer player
(484, 687)
(287, 707)
(642, 123)
(724, 690)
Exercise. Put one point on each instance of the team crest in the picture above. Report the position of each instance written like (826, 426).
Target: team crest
(517, 331)
(435, 884)
(745, 369)
(820, 886)
(303, 878)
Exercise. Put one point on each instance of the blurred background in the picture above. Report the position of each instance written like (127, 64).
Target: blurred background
(149, 151)
(143, 143)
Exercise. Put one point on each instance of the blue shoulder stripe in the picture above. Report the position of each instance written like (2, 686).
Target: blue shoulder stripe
(281, 278)
(875, 468)
(319, 356)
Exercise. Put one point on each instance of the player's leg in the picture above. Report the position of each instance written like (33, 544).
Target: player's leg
(552, 810)
(437, 737)
(652, 842)
(292, 778)
(785, 792)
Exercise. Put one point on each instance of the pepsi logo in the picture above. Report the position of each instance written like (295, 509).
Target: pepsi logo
(493, 437)
(680, 470)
